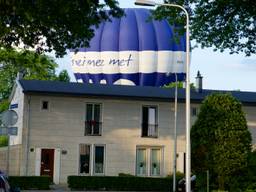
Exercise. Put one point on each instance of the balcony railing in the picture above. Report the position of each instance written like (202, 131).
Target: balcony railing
(93, 128)
(149, 130)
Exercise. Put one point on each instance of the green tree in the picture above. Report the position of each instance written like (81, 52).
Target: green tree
(52, 24)
(180, 85)
(4, 105)
(225, 24)
(3, 141)
(221, 141)
(63, 76)
(33, 65)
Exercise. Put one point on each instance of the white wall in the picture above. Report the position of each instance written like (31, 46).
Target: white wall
(62, 127)
(18, 98)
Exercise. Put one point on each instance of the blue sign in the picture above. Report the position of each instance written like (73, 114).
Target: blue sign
(132, 50)
(14, 106)
(9, 131)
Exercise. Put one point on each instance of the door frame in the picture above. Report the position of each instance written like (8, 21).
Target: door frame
(56, 165)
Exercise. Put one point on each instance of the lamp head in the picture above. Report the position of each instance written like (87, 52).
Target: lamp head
(145, 3)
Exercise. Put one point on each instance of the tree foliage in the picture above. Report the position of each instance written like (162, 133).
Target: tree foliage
(33, 65)
(221, 141)
(222, 24)
(3, 141)
(52, 24)
(180, 84)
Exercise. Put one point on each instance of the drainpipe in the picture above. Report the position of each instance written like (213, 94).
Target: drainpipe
(28, 136)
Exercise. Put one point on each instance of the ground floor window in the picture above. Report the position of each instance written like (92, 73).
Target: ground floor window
(149, 161)
(87, 164)
(155, 161)
(85, 156)
(141, 161)
(99, 160)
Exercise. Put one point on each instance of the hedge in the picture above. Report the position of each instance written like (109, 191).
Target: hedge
(116, 183)
(30, 182)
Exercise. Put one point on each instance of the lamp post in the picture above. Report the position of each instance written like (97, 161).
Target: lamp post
(188, 145)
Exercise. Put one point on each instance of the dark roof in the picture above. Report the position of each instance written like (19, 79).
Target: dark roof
(123, 91)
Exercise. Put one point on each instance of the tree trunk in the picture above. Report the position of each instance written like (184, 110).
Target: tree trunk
(221, 182)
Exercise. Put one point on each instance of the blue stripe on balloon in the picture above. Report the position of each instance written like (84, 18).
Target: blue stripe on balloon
(135, 32)
(139, 79)
(146, 31)
(109, 37)
(128, 36)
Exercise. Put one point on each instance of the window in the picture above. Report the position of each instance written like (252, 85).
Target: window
(84, 158)
(86, 152)
(99, 159)
(148, 166)
(194, 111)
(44, 105)
(149, 121)
(155, 162)
(141, 162)
(93, 119)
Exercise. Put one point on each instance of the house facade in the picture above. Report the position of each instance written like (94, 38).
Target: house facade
(84, 129)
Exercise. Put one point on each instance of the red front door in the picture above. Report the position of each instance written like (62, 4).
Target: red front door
(47, 162)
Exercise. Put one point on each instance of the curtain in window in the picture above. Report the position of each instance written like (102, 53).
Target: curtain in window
(152, 121)
(99, 160)
(84, 158)
(155, 162)
(96, 119)
(141, 162)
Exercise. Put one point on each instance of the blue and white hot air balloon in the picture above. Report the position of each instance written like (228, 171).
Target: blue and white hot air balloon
(132, 50)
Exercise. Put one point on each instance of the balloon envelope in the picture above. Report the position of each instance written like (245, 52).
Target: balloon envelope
(132, 50)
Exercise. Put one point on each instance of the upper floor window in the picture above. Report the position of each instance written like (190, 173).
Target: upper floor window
(45, 105)
(93, 124)
(149, 121)
(194, 111)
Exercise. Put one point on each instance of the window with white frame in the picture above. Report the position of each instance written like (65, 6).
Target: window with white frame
(86, 152)
(99, 159)
(149, 161)
(155, 161)
(85, 158)
(93, 124)
(141, 165)
(149, 121)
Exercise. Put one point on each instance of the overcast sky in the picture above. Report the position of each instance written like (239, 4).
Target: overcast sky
(220, 71)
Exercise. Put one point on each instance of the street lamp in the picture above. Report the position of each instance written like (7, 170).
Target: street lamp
(188, 145)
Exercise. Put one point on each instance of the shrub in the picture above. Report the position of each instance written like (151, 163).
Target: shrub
(221, 141)
(3, 141)
(30, 182)
(116, 183)
(125, 175)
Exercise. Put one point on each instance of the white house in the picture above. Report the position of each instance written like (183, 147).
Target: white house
(88, 129)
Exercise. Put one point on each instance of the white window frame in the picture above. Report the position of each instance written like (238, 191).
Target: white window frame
(90, 160)
(101, 118)
(149, 160)
(161, 161)
(156, 135)
(136, 169)
(104, 158)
